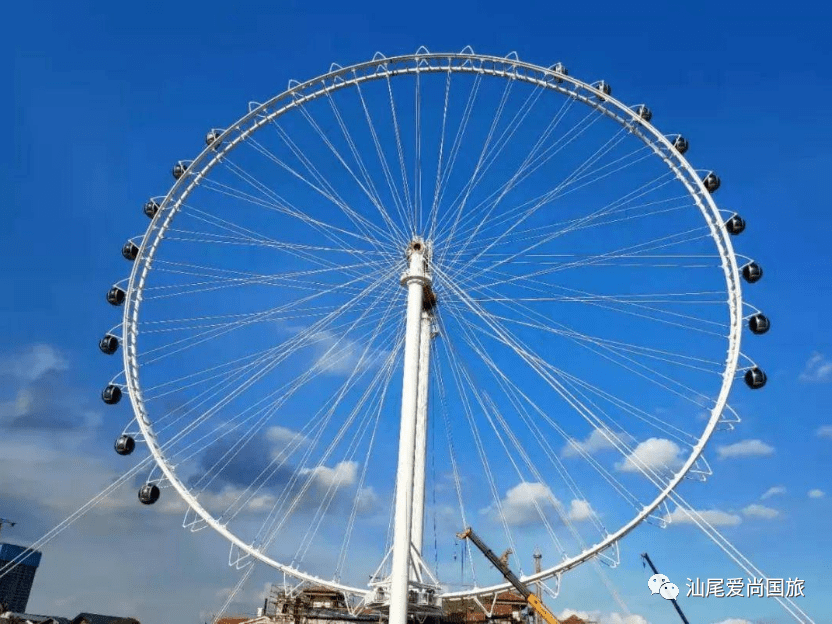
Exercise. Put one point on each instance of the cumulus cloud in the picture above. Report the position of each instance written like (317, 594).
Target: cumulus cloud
(520, 504)
(818, 369)
(777, 490)
(603, 618)
(760, 511)
(714, 517)
(816, 494)
(337, 355)
(367, 499)
(342, 474)
(654, 454)
(745, 448)
(597, 441)
(283, 436)
(33, 363)
(580, 510)
(824, 431)
(41, 395)
(734, 621)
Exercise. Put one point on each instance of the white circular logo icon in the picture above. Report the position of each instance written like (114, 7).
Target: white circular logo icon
(656, 581)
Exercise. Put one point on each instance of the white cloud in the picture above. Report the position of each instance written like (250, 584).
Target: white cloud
(520, 504)
(283, 435)
(773, 491)
(824, 431)
(367, 499)
(746, 448)
(760, 511)
(598, 440)
(602, 618)
(337, 355)
(652, 454)
(714, 517)
(816, 494)
(580, 510)
(342, 474)
(817, 369)
(734, 621)
(32, 364)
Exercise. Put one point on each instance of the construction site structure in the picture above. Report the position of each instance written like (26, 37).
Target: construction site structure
(532, 599)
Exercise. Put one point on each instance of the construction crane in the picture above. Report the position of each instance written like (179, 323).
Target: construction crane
(534, 601)
(4, 521)
(646, 557)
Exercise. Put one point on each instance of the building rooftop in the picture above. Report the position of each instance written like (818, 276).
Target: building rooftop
(95, 618)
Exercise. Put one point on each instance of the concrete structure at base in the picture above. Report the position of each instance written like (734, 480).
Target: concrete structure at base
(81, 618)
(319, 605)
(16, 586)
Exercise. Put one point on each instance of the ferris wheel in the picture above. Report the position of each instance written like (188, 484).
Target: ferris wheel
(425, 292)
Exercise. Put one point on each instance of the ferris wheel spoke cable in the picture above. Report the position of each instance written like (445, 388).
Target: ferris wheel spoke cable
(461, 199)
(532, 161)
(452, 452)
(403, 168)
(542, 201)
(433, 213)
(359, 221)
(370, 189)
(545, 371)
(211, 334)
(385, 167)
(371, 416)
(612, 207)
(64, 524)
(655, 421)
(487, 407)
(613, 346)
(241, 384)
(280, 205)
(328, 191)
(621, 205)
(663, 242)
(513, 392)
(478, 445)
(519, 176)
(286, 280)
(456, 145)
(316, 371)
(172, 388)
(293, 386)
(540, 365)
(311, 474)
(385, 386)
(300, 250)
(617, 138)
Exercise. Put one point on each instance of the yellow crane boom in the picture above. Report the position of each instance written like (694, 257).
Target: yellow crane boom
(533, 601)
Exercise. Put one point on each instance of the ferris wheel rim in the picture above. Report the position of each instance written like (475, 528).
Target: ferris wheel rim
(511, 68)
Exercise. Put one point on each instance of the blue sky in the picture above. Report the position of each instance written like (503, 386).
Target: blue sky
(105, 99)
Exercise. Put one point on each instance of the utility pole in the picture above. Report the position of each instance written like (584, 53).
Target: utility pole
(4, 521)
(646, 557)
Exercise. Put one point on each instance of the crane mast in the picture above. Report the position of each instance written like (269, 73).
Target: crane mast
(646, 557)
(532, 599)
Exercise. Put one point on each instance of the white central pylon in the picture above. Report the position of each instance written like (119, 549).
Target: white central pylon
(417, 281)
(420, 450)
